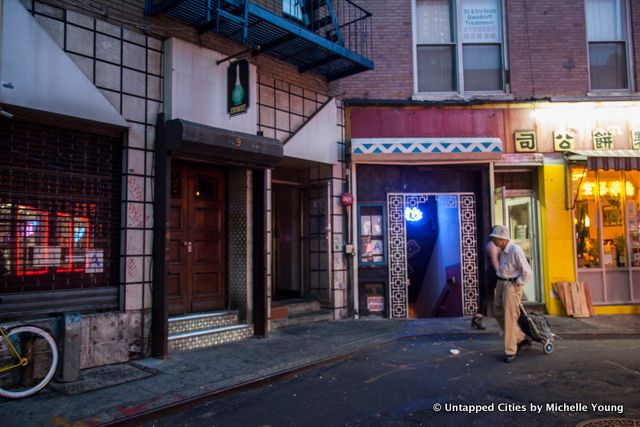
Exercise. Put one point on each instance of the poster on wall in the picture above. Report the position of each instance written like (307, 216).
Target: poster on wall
(481, 21)
(238, 87)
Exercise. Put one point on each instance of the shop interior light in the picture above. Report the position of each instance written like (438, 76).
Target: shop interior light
(608, 188)
(604, 188)
(587, 188)
(629, 189)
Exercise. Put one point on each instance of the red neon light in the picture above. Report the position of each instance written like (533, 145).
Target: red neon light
(67, 250)
(21, 234)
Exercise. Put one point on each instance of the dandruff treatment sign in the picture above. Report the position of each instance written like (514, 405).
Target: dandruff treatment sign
(481, 21)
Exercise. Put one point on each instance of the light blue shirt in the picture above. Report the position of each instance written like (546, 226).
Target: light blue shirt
(514, 264)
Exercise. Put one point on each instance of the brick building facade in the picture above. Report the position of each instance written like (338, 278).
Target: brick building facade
(406, 124)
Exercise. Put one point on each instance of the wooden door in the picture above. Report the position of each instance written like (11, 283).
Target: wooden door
(197, 241)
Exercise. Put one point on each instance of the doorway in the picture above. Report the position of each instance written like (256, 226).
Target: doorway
(433, 269)
(287, 279)
(517, 209)
(196, 280)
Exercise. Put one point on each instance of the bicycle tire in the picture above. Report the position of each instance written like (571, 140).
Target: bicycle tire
(43, 365)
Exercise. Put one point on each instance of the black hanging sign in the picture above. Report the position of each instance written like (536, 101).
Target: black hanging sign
(238, 87)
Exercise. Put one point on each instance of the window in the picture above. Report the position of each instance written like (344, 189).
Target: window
(292, 9)
(607, 232)
(59, 209)
(459, 46)
(371, 223)
(607, 38)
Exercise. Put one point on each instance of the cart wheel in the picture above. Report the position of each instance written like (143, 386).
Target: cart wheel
(548, 347)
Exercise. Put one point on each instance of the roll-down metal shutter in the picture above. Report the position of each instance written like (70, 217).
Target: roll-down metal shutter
(59, 219)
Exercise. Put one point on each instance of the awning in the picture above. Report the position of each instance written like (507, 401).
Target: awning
(607, 159)
(221, 145)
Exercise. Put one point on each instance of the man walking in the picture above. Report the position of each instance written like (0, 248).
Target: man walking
(513, 273)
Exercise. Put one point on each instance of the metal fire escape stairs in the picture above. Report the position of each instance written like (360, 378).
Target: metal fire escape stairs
(305, 33)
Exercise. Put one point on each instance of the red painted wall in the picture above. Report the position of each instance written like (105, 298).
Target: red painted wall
(428, 123)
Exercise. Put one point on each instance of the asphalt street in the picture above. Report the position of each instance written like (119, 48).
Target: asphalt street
(422, 381)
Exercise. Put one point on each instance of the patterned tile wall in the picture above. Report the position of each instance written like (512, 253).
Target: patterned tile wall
(208, 340)
(238, 226)
(200, 323)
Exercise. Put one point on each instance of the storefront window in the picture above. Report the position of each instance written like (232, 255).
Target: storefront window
(371, 235)
(607, 218)
(59, 210)
(586, 218)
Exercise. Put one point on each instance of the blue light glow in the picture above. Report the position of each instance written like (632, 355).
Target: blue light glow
(412, 214)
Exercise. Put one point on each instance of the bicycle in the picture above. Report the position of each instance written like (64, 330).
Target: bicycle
(28, 360)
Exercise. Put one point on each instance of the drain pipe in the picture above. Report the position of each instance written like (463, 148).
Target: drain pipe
(352, 248)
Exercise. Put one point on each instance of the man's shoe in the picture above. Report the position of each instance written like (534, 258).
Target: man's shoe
(525, 343)
(509, 358)
(476, 322)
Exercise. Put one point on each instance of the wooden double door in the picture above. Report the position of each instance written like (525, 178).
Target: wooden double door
(197, 241)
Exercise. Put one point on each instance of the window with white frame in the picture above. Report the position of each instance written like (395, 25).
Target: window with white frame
(459, 46)
(608, 44)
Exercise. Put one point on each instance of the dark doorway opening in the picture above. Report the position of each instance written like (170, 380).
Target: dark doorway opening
(286, 211)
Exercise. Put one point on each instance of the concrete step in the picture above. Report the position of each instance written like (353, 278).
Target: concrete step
(297, 306)
(209, 337)
(302, 318)
(201, 321)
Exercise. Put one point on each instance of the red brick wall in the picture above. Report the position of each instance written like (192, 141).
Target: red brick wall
(635, 39)
(392, 77)
(547, 50)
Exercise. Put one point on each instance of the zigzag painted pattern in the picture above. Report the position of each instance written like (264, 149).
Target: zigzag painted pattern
(425, 145)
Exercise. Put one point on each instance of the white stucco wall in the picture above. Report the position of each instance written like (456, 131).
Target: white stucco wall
(196, 88)
(37, 74)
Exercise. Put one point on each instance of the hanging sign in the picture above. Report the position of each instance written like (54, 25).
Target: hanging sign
(238, 87)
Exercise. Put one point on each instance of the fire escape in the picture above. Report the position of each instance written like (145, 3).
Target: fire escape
(331, 38)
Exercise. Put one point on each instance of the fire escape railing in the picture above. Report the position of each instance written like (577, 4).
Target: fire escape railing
(330, 37)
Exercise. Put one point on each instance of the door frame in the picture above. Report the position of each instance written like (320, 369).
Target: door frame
(188, 205)
(536, 244)
(275, 212)
(306, 237)
(397, 294)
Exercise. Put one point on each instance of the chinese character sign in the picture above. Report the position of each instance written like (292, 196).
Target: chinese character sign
(525, 141)
(635, 139)
(563, 140)
(602, 139)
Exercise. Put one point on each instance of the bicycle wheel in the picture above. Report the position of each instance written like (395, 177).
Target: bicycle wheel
(41, 352)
